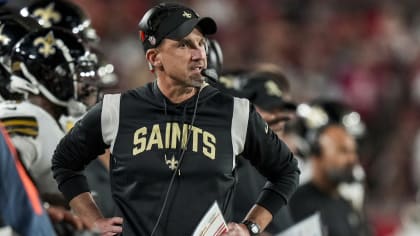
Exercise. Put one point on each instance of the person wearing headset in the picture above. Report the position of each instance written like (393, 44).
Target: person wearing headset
(268, 88)
(333, 153)
(173, 142)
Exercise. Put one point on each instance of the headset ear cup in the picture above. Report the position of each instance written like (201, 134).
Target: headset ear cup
(145, 22)
(146, 28)
(206, 48)
(315, 148)
(214, 56)
(313, 137)
(313, 143)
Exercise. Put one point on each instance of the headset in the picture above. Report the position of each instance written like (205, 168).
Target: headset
(314, 145)
(147, 30)
(180, 159)
(214, 62)
(148, 25)
(150, 20)
(314, 135)
(214, 56)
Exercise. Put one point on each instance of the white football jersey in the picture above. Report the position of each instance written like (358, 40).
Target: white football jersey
(35, 133)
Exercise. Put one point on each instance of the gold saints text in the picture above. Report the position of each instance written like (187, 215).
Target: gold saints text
(146, 139)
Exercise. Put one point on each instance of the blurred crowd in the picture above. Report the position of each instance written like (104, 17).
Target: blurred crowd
(364, 54)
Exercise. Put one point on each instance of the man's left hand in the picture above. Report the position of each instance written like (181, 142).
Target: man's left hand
(235, 229)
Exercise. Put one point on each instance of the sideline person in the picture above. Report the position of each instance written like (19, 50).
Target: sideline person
(174, 142)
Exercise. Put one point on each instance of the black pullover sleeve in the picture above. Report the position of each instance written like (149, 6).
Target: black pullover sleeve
(274, 160)
(76, 149)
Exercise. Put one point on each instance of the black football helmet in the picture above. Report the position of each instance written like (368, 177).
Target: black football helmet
(323, 111)
(12, 28)
(57, 64)
(63, 14)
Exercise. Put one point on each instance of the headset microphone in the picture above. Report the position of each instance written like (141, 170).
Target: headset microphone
(211, 75)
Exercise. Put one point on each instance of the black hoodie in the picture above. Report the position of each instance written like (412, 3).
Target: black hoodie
(144, 131)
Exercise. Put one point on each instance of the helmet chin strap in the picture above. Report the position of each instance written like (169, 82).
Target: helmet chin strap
(20, 85)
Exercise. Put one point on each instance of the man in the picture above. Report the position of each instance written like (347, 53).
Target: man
(46, 66)
(320, 112)
(173, 142)
(61, 14)
(69, 16)
(23, 121)
(333, 154)
(13, 28)
(268, 88)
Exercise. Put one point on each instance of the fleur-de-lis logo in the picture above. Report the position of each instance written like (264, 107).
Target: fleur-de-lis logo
(47, 16)
(172, 163)
(273, 89)
(186, 15)
(4, 40)
(47, 44)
